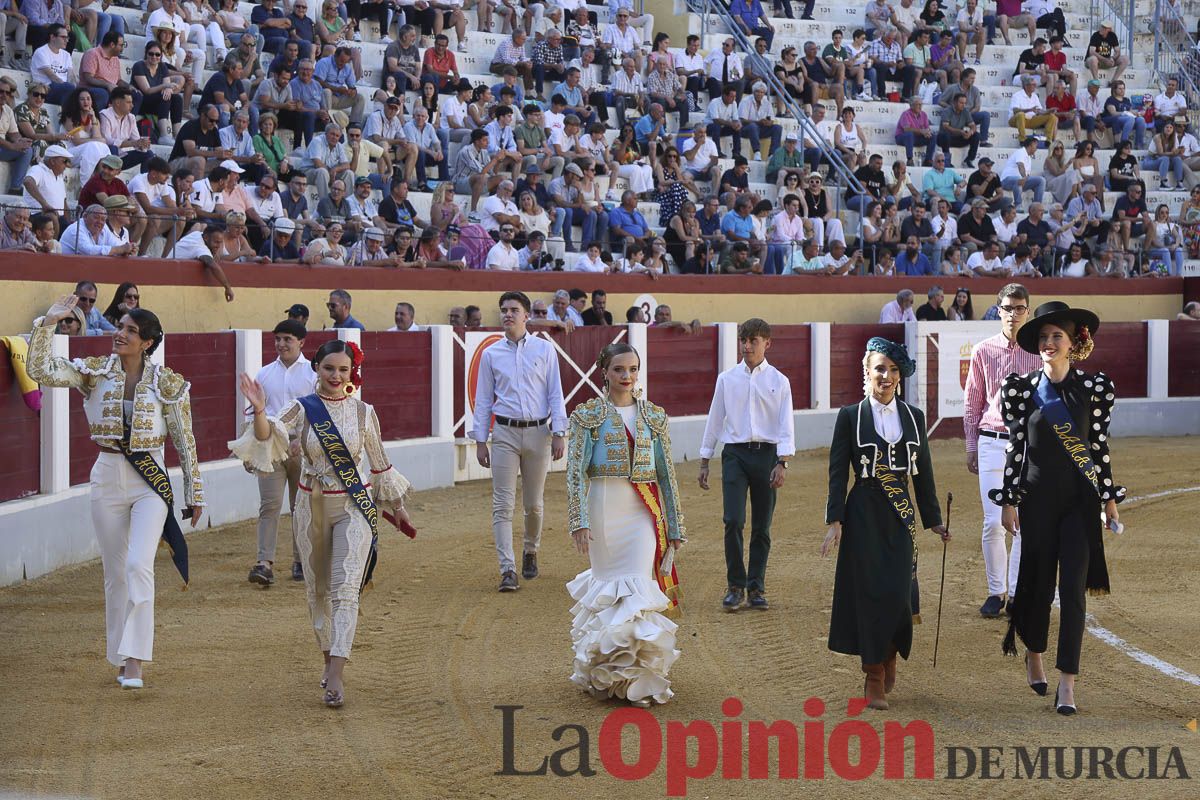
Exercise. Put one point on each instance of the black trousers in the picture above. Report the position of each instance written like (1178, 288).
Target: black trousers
(1054, 539)
(747, 469)
(1054, 23)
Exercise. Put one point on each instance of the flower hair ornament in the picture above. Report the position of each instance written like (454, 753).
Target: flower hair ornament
(356, 360)
(1083, 346)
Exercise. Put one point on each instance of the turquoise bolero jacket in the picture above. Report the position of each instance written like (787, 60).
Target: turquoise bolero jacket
(598, 447)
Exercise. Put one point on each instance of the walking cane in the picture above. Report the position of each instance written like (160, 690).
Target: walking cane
(942, 587)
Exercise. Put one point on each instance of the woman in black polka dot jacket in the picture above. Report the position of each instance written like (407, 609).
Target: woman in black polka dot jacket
(1057, 479)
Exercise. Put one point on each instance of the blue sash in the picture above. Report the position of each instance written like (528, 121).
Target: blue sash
(156, 478)
(1059, 416)
(346, 471)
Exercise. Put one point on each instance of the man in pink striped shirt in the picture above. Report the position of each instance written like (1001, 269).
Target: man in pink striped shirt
(983, 427)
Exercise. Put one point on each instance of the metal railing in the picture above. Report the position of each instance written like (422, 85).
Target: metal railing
(1176, 55)
(764, 70)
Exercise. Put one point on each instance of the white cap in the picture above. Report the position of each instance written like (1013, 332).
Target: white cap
(284, 225)
(56, 151)
(232, 166)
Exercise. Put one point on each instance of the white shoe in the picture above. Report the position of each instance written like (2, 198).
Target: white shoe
(131, 683)
(386, 40)
(462, 47)
(758, 156)
(357, 36)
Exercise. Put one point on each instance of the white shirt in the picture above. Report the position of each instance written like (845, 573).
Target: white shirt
(52, 188)
(59, 63)
(154, 193)
(1004, 232)
(283, 384)
(749, 110)
(1037, 8)
(887, 420)
(1190, 145)
(494, 205)
(948, 228)
(76, 239)
(751, 406)
(191, 246)
(977, 261)
(414, 328)
(503, 256)
(572, 315)
(585, 264)
(270, 207)
(702, 158)
(519, 380)
(379, 125)
(1169, 106)
(1027, 104)
(892, 313)
(160, 18)
(204, 197)
(718, 109)
(1018, 156)
(908, 17)
(714, 63)
(689, 63)
(454, 108)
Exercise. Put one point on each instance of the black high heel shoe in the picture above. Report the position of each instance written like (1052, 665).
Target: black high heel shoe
(1039, 687)
(1066, 709)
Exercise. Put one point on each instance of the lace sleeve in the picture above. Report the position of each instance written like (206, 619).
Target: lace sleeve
(1016, 404)
(1104, 394)
(261, 457)
(389, 486)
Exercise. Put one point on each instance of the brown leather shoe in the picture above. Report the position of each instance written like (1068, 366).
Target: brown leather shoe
(889, 671)
(873, 687)
(508, 582)
(529, 566)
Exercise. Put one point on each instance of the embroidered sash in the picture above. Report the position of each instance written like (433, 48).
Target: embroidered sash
(156, 478)
(1059, 416)
(344, 468)
(895, 489)
(652, 500)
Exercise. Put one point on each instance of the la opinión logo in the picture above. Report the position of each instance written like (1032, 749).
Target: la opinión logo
(721, 747)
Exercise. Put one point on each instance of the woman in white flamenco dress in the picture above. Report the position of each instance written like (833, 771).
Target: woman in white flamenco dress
(624, 514)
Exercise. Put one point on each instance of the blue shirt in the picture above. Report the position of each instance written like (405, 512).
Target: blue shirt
(574, 97)
(327, 72)
(919, 267)
(632, 222)
(310, 94)
(708, 225)
(260, 15)
(741, 226)
(750, 12)
(350, 322)
(97, 325)
(642, 128)
(516, 87)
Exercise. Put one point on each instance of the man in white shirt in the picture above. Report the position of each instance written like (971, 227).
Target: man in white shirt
(152, 192)
(721, 117)
(619, 41)
(45, 183)
(986, 262)
(898, 310)
(751, 415)
(562, 310)
(690, 66)
(1017, 175)
(502, 255)
(1169, 104)
(200, 245)
(285, 379)
(499, 209)
(405, 312)
(755, 113)
(1189, 144)
(700, 157)
(627, 90)
(945, 228)
(723, 67)
(91, 236)
(1027, 113)
(52, 67)
(519, 385)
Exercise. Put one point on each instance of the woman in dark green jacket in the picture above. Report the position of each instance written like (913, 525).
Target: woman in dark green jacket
(883, 441)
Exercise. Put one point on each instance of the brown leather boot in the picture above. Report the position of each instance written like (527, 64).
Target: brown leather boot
(873, 687)
(889, 671)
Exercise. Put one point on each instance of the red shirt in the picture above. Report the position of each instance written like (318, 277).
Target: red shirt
(1054, 61)
(97, 185)
(1060, 104)
(441, 66)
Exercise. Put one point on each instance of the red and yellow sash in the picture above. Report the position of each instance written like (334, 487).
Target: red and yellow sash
(669, 584)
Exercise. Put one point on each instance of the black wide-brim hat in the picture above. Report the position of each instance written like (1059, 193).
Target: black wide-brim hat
(1055, 312)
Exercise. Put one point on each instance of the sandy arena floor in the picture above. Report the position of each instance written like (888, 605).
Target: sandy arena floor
(232, 705)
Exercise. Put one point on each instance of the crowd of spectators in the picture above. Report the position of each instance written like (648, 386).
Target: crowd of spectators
(584, 95)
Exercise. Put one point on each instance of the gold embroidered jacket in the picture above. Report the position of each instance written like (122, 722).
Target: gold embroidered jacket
(161, 404)
(599, 448)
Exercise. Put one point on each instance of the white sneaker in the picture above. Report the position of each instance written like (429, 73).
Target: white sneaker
(357, 36)
(386, 40)
(462, 46)
(758, 156)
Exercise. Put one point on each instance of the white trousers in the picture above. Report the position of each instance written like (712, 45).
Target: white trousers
(999, 561)
(524, 452)
(831, 231)
(128, 517)
(640, 177)
(271, 488)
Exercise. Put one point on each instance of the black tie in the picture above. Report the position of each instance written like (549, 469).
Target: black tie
(725, 70)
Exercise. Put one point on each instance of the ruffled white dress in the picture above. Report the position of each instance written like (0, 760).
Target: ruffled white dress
(624, 647)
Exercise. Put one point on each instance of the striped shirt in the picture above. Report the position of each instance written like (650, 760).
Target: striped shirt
(992, 360)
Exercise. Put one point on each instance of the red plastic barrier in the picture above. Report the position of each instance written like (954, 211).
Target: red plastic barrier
(791, 354)
(683, 369)
(19, 438)
(1183, 360)
(209, 362)
(1121, 354)
(846, 346)
(397, 374)
(83, 452)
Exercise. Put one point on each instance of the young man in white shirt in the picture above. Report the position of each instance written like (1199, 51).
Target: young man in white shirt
(751, 415)
(502, 255)
(519, 385)
(285, 379)
(1017, 175)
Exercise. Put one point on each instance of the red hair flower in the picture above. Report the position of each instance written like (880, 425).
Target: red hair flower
(1084, 335)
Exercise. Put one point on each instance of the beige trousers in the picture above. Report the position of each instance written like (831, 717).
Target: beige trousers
(524, 452)
(333, 550)
(270, 503)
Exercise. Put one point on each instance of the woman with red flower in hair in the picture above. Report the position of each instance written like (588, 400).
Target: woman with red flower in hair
(1057, 479)
(345, 477)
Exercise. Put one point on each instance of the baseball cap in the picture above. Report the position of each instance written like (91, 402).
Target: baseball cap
(232, 166)
(112, 162)
(56, 151)
(394, 101)
(361, 179)
(1094, 82)
(374, 234)
(297, 309)
(791, 137)
(986, 160)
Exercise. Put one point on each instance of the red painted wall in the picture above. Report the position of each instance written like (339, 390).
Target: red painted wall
(683, 369)
(791, 354)
(847, 343)
(1121, 354)
(19, 438)
(1183, 360)
(397, 372)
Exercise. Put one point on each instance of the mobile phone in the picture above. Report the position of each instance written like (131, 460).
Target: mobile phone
(1114, 526)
